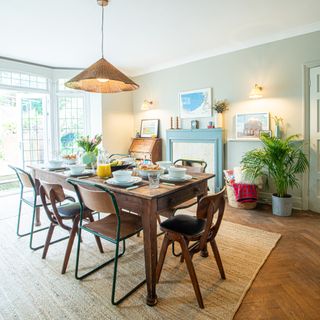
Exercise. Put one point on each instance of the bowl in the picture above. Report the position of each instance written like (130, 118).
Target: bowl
(76, 168)
(70, 161)
(176, 172)
(164, 164)
(144, 173)
(53, 164)
(122, 175)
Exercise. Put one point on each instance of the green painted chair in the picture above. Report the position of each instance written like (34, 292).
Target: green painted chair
(27, 183)
(116, 227)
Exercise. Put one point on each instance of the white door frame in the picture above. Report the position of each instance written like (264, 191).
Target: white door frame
(306, 130)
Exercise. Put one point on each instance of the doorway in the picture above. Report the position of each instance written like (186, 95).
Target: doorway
(314, 172)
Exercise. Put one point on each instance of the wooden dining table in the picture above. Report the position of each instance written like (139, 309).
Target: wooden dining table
(146, 202)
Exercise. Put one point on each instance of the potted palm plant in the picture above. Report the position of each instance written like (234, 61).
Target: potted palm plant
(282, 160)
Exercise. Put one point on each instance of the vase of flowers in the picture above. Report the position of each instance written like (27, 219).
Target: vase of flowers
(90, 149)
(219, 107)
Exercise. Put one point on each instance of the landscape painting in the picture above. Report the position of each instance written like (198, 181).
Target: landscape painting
(196, 104)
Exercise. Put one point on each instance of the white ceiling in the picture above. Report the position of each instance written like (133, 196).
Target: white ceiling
(146, 35)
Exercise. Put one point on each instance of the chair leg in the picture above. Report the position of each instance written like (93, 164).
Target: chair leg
(19, 216)
(114, 282)
(98, 240)
(38, 222)
(165, 243)
(73, 234)
(49, 236)
(192, 273)
(181, 256)
(217, 257)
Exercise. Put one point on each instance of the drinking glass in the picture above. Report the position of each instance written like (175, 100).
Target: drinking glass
(154, 180)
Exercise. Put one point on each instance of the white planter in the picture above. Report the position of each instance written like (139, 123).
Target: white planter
(282, 206)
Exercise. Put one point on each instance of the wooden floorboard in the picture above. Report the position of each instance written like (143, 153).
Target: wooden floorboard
(288, 285)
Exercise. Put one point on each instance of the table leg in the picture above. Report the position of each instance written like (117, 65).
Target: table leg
(149, 223)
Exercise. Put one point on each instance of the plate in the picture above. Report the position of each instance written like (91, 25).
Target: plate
(167, 177)
(82, 174)
(114, 182)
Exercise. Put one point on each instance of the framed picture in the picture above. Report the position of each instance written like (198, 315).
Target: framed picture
(149, 128)
(265, 133)
(195, 104)
(249, 125)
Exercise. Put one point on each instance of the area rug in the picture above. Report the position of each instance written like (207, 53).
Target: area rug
(32, 288)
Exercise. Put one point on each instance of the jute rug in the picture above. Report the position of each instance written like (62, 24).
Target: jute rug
(32, 288)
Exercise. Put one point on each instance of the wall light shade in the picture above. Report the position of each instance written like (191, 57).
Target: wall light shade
(147, 104)
(102, 77)
(256, 92)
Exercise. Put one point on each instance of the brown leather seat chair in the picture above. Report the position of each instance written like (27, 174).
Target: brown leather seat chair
(200, 230)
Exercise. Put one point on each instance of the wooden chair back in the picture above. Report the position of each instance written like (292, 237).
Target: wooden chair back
(52, 193)
(25, 178)
(192, 166)
(207, 208)
(95, 197)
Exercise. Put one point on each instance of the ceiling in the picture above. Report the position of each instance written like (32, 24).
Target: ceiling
(146, 35)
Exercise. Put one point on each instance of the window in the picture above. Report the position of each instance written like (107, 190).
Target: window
(71, 111)
(23, 80)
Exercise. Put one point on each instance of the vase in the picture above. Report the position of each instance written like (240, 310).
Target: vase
(89, 159)
(218, 120)
(277, 132)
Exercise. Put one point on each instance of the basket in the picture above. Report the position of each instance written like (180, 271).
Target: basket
(232, 198)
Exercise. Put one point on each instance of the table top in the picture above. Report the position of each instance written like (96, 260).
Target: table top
(143, 191)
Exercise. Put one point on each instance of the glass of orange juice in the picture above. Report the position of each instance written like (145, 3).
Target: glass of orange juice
(103, 165)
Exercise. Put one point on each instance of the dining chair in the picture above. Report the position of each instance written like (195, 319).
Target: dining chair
(57, 216)
(27, 183)
(115, 227)
(200, 230)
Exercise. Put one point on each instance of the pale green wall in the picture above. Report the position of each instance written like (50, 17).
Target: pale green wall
(278, 66)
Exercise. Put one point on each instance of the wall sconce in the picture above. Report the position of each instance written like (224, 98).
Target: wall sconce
(147, 105)
(256, 92)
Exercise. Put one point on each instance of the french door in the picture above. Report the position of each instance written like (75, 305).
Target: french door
(33, 131)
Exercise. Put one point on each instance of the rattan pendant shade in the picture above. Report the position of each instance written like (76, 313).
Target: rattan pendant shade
(102, 77)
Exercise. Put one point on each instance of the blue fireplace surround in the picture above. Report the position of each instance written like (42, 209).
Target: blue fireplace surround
(213, 136)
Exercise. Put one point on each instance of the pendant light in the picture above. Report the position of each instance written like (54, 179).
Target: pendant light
(102, 76)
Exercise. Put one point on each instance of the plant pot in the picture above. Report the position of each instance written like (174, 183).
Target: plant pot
(218, 120)
(282, 206)
(89, 159)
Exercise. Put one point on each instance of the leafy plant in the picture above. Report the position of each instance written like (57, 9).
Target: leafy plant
(280, 159)
(89, 145)
(221, 105)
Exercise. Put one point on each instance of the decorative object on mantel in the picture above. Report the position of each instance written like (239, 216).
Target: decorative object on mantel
(282, 160)
(177, 123)
(219, 107)
(171, 123)
(147, 105)
(194, 124)
(249, 125)
(102, 76)
(256, 92)
(210, 125)
(90, 148)
(196, 103)
(149, 128)
(265, 133)
(277, 123)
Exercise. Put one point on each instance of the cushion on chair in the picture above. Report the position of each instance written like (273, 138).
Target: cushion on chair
(69, 210)
(184, 224)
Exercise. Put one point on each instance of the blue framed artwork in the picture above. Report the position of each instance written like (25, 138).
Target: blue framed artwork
(196, 103)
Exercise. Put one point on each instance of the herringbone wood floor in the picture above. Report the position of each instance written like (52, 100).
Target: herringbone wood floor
(288, 285)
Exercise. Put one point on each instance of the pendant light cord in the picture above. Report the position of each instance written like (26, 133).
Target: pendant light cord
(102, 23)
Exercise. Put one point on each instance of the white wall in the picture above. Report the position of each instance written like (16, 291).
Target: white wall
(117, 121)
